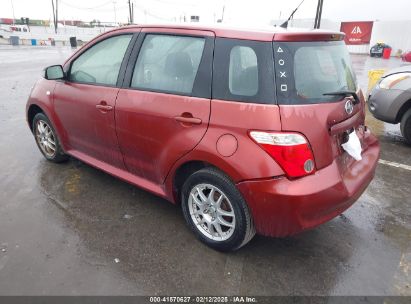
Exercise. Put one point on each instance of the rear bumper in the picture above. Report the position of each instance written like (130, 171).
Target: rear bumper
(282, 207)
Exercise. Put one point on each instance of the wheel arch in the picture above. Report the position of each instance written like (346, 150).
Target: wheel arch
(404, 108)
(182, 172)
(34, 108)
(184, 168)
(32, 111)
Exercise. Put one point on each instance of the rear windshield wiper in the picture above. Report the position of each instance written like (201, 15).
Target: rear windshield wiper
(345, 94)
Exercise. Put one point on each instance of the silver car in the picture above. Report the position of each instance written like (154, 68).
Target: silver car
(390, 100)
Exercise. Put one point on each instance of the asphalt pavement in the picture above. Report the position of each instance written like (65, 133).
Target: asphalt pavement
(70, 229)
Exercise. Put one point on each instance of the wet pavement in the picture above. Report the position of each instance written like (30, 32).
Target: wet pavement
(70, 229)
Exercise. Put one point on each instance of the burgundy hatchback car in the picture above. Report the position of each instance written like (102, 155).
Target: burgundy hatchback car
(243, 128)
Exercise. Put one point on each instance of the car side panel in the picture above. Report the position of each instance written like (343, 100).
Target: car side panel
(150, 137)
(90, 130)
(227, 146)
(42, 96)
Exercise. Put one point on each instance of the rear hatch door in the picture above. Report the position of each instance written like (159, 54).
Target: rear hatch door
(305, 71)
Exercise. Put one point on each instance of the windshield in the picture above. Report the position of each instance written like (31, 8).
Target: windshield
(307, 70)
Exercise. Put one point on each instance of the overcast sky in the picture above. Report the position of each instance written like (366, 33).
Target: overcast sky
(236, 11)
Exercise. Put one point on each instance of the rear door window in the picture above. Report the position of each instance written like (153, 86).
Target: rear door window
(305, 71)
(168, 63)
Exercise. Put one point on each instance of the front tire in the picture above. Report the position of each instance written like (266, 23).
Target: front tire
(215, 210)
(47, 140)
(406, 126)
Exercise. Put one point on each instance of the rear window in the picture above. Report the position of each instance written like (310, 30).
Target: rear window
(307, 70)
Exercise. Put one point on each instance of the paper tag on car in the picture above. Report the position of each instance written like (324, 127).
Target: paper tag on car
(353, 146)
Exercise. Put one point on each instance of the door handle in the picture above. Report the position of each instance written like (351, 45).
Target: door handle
(188, 120)
(104, 107)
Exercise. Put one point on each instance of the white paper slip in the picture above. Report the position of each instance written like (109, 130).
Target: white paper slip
(353, 146)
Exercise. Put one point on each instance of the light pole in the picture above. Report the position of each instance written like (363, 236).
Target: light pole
(12, 8)
(115, 13)
(130, 19)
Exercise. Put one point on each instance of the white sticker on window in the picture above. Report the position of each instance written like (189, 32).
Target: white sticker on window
(279, 50)
(283, 88)
(281, 62)
(282, 75)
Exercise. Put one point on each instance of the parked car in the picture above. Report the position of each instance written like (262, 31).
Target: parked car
(243, 128)
(390, 100)
(377, 49)
(406, 57)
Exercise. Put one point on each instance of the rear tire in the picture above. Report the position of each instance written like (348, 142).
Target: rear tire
(47, 140)
(215, 210)
(406, 126)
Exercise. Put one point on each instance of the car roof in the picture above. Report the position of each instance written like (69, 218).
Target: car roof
(272, 33)
(269, 34)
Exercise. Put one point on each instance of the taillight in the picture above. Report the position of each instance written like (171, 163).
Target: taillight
(291, 151)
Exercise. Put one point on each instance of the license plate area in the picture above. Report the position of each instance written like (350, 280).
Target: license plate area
(344, 160)
(343, 137)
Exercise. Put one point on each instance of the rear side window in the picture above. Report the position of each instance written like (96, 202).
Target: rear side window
(243, 71)
(168, 63)
(305, 71)
(100, 64)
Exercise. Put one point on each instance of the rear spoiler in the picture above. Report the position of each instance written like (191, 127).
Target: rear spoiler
(309, 36)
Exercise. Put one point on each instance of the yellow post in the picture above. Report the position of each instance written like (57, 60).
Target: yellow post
(373, 77)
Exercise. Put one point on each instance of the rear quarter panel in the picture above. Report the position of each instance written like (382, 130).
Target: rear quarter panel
(235, 119)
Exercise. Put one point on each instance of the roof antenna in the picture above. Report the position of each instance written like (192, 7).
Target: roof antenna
(285, 24)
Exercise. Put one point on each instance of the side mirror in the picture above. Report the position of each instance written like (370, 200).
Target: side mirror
(54, 72)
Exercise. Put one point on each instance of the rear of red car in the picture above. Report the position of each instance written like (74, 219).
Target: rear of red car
(320, 105)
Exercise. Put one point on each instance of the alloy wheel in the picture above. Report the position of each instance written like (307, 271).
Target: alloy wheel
(45, 138)
(211, 212)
